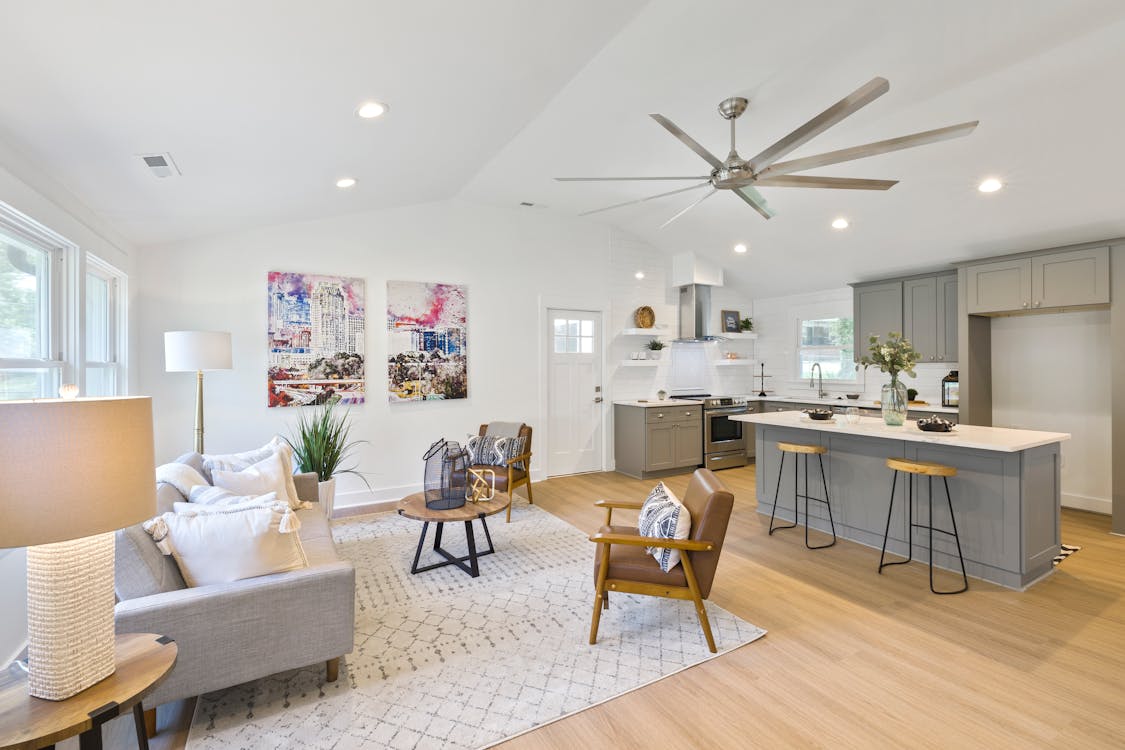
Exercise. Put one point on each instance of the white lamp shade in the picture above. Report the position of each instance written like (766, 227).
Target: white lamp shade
(188, 351)
(76, 468)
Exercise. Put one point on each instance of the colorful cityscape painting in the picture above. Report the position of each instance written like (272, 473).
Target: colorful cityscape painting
(427, 357)
(315, 339)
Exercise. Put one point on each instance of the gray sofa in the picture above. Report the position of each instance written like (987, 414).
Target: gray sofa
(231, 633)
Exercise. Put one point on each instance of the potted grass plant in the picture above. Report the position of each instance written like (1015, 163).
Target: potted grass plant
(655, 347)
(321, 444)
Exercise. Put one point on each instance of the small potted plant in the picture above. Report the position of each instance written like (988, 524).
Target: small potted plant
(320, 445)
(655, 347)
(893, 356)
(746, 325)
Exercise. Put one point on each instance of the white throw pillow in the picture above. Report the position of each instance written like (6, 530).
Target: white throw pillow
(268, 475)
(181, 476)
(663, 516)
(205, 494)
(246, 459)
(220, 545)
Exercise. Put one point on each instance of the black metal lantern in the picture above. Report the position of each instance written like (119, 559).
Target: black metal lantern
(446, 467)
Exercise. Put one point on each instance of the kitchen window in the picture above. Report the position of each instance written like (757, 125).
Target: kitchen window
(828, 341)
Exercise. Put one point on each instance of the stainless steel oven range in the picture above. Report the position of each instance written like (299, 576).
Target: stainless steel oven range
(725, 444)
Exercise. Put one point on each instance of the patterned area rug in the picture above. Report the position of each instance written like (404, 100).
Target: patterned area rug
(443, 660)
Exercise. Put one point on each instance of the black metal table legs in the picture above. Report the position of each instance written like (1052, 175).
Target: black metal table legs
(467, 563)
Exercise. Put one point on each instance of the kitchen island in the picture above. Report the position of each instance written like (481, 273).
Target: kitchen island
(1006, 495)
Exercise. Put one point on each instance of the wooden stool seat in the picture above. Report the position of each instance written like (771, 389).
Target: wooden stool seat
(799, 448)
(924, 468)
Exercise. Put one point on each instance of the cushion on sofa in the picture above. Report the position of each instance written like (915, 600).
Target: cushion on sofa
(246, 459)
(271, 474)
(223, 544)
(140, 569)
(207, 495)
(181, 476)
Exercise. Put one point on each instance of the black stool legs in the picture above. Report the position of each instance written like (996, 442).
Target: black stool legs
(798, 495)
(910, 526)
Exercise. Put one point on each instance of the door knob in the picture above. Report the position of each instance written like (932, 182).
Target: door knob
(598, 400)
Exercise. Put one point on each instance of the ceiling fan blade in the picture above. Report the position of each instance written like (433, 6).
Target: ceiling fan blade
(811, 181)
(642, 200)
(613, 179)
(756, 201)
(685, 210)
(849, 105)
(871, 149)
(690, 142)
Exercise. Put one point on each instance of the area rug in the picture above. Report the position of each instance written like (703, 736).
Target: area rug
(1065, 551)
(443, 660)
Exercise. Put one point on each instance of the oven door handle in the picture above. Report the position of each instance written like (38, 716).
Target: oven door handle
(724, 412)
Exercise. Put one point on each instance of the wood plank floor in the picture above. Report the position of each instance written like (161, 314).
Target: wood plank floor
(856, 659)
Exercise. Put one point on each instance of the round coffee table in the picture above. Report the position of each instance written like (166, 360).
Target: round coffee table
(414, 506)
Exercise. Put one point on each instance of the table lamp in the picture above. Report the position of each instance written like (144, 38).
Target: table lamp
(196, 351)
(81, 469)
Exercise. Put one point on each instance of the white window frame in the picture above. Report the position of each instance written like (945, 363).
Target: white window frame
(818, 311)
(116, 282)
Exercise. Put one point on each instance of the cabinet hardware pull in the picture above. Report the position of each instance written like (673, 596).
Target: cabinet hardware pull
(1025, 305)
(1038, 302)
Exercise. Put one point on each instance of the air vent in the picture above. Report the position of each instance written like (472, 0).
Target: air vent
(161, 165)
(525, 204)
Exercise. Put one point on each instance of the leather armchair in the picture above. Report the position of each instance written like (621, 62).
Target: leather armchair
(622, 564)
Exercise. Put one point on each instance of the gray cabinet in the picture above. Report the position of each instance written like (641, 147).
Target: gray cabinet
(655, 440)
(1072, 278)
(877, 311)
(929, 316)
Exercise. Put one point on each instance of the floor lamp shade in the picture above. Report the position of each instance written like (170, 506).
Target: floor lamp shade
(197, 351)
(82, 469)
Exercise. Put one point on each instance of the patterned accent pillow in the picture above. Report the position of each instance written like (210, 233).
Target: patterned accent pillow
(482, 449)
(507, 448)
(663, 516)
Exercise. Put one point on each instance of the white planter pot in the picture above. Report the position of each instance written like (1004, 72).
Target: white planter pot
(327, 495)
(655, 353)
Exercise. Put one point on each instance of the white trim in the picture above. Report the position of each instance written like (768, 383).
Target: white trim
(1101, 505)
(589, 304)
(16, 655)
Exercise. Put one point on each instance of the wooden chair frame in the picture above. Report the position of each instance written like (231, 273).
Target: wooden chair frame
(605, 584)
(513, 482)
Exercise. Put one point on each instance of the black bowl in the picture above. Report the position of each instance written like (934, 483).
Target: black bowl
(819, 414)
(935, 425)
(852, 396)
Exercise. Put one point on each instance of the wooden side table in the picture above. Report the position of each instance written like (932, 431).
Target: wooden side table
(414, 506)
(27, 723)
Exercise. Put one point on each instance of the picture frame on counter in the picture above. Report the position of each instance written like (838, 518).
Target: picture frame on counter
(732, 321)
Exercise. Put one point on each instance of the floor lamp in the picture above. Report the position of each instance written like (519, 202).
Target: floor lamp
(197, 351)
(82, 468)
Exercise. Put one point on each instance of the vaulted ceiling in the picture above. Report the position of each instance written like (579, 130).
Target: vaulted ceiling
(490, 100)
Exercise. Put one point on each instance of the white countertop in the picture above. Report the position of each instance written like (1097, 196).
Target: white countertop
(1000, 439)
(845, 402)
(667, 403)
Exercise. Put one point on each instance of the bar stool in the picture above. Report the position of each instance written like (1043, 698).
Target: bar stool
(914, 469)
(798, 450)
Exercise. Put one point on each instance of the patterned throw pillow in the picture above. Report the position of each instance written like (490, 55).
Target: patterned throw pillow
(507, 448)
(663, 516)
(482, 449)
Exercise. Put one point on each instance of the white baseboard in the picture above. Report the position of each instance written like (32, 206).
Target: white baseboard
(18, 653)
(1101, 505)
(391, 495)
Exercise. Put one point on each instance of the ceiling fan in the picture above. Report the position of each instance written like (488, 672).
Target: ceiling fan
(742, 176)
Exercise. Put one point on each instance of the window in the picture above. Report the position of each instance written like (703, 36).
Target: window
(829, 342)
(61, 315)
(574, 336)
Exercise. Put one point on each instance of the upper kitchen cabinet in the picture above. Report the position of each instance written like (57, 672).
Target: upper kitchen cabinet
(877, 311)
(1072, 278)
(929, 316)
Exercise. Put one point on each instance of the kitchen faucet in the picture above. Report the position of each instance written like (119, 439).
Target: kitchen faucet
(820, 375)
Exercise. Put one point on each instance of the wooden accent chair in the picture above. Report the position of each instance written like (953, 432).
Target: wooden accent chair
(509, 477)
(621, 562)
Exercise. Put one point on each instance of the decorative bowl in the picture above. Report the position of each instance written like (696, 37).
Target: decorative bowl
(935, 424)
(853, 396)
(644, 317)
(819, 414)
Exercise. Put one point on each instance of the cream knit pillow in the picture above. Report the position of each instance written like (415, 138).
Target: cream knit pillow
(271, 474)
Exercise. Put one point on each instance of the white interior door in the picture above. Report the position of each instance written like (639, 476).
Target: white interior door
(574, 392)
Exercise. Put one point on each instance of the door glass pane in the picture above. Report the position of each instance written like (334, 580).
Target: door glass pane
(100, 381)
(572, 346)
(39, 382)
(586, 345)
(97, 319)
(560, 326)
(24, 274)
(560, 344)
(572, 327)
(587, 328)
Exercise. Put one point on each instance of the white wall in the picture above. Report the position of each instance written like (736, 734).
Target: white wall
(775, 320)
(25, 188)
(1051, 372)
(513, 260)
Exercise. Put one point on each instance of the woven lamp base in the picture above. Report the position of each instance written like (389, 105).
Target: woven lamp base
(70, 629)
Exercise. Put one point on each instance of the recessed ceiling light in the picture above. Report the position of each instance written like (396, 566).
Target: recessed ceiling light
(639, 275)
(345, 182)
(840, 223)
(991, 185)
(740, 248)
(371, 110)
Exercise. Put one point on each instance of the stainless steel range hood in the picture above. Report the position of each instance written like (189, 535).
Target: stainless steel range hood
(695, 315)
